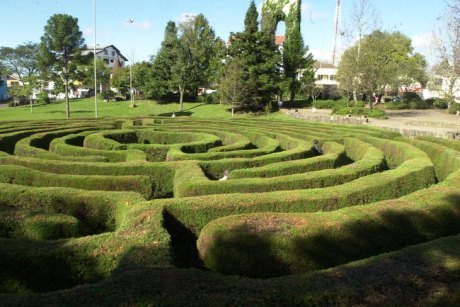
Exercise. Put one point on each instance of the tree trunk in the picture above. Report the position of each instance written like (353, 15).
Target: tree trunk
(292, 96)
(181, 99)
(233, 110)
(31, 104)
(67, 106)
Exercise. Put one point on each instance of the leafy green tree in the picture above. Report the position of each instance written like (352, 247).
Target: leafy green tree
(386, 59)
(232, 87)
(447, 49)
(307, 84)
(22, 62)
(120, 80)
(60, 50)
(260, 61)
(193, 54)
(85, 74)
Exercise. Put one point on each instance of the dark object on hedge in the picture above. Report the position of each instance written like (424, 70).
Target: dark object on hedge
(317, 150)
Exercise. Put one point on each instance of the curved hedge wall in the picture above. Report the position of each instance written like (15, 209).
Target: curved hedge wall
(132, 212)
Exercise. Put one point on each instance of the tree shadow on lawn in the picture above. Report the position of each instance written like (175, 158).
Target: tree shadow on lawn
(71, 112)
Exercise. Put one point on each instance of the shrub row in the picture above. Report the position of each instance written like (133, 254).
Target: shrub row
(30, 265)
(414, 172)
(161, 175)
(292, 243)
(334, 156)
(188, 181)
(24, 176)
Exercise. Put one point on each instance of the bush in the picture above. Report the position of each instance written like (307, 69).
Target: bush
(454, 108)
(438, 103)
(418, 105)
(411, 96)
(327, 104)
(396, 106)
(43, 97)
(208, 98)
(359, 111)
(108, 95)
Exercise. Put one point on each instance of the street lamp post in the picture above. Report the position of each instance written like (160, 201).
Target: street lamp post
(95, 70)
(130, 21)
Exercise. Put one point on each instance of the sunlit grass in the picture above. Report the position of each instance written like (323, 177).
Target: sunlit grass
(85, 108)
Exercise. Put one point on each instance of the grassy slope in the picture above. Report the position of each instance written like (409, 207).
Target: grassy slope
(84, 108)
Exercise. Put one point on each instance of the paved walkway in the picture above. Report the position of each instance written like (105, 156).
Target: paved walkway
(408, 122)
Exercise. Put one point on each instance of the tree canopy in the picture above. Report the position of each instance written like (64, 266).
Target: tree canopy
(21, 61)
(385, 60)
(60, 50)
(260, 61)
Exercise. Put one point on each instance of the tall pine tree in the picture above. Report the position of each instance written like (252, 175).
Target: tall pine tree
(259, 56)
(162, 86)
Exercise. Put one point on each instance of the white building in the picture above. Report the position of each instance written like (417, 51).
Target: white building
(109, 54)
(439, 86)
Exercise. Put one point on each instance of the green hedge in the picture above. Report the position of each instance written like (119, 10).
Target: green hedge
(28, 177)
(334, 156)
(266, 245)
(191, 181)
(35, 265)
(30, 225)
(161, 175)
(414, 172)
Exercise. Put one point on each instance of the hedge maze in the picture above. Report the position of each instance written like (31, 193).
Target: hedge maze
(132, 212)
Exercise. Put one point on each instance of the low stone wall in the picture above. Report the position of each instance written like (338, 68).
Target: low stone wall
(412, 128)
(333, 119)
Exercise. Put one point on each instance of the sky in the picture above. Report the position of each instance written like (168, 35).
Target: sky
(24, 20)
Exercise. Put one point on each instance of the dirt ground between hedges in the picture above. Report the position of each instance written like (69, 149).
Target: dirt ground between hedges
(433, 122)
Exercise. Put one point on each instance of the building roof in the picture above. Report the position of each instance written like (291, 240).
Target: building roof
(101, 48)
(280, 39)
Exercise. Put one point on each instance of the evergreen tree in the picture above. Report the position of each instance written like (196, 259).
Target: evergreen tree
(161, 85)
(259, 57)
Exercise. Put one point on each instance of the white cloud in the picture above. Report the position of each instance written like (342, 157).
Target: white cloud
(140, 25)
(88, 31)
(310, 14)
(143, 25)
(422, 41)
(184, 17)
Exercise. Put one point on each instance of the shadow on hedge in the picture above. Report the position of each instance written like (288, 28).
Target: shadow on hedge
(244, 251)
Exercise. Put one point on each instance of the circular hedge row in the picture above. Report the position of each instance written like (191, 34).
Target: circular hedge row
(133, 212)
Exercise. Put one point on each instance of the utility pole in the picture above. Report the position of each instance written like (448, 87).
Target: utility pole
(130, 21)
(95, 70)
(336, 30)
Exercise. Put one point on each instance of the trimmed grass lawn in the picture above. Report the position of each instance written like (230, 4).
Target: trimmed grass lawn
(84, 108)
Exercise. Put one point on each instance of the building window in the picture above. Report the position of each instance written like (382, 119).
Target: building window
(332, 78)
(113, 53)
(106, 52)
(106, 61)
